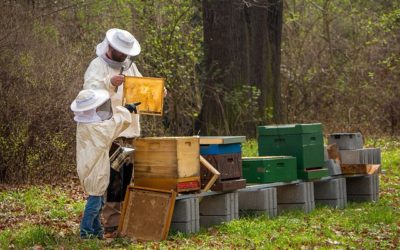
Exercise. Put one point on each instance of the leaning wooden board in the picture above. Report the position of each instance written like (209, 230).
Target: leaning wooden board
(147, 213)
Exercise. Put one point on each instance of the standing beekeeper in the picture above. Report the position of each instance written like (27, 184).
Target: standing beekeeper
(97, 128)
(114, 60)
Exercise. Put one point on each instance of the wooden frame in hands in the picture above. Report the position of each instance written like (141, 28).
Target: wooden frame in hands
(147, 90)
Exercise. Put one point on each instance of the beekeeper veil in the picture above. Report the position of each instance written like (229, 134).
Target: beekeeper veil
(92, 105)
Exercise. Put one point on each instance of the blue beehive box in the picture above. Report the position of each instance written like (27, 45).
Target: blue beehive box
(219, 149)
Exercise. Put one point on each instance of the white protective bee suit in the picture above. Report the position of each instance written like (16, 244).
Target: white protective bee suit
(101, 69)
(93, 142)
(98, 76)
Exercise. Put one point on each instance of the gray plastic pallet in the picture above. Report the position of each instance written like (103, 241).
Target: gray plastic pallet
(258, 202)
(346, 141)
(333, 167)
(363, 188)
(270, 199)
(219, 208)
(296, 197)
(331, 192)
(361, 156)
(186, 218)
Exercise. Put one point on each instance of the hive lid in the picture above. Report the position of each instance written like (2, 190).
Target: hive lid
(290, 129)
(221, 139)
(266, 158)
(167, 138)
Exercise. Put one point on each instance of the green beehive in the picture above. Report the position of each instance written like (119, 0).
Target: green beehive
(303, 141)
(269, 169)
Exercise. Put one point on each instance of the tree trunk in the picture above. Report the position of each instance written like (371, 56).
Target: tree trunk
(242, 47)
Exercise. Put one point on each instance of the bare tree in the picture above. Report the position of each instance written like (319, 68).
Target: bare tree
(242, 42)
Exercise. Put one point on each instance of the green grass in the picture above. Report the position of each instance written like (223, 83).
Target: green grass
(51, 218)
(250, 148)
(46, 201)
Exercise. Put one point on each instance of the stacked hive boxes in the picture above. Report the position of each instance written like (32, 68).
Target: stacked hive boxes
(303, 141)
(171, 163)
(352, 151)
(358, 160)
(224, 153)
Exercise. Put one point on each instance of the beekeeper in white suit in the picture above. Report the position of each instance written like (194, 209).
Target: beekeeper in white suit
(114, 53)
(97, 128)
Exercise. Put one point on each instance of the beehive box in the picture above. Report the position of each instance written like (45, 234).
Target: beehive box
(303, 141)
(219, 149)
(224, 153)
(167, 163)
(228, 165)
(269, 169)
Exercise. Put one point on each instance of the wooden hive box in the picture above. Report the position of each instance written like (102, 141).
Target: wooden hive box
(169, 163)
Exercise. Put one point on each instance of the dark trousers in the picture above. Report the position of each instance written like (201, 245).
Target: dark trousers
(115, 194)
(119, 181)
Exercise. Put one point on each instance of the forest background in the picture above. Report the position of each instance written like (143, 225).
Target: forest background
(340, 65)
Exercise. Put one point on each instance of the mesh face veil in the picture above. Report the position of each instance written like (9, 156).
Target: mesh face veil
(104, 111)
